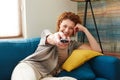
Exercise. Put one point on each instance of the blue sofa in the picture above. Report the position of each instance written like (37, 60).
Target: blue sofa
(98, 68)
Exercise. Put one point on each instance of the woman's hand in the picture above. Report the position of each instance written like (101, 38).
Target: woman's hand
(55, 39)
(79, 27)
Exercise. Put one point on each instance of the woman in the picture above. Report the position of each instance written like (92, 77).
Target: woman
(51, 53)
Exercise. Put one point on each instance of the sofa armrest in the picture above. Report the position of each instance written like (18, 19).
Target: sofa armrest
(106, 66)
(12, 51)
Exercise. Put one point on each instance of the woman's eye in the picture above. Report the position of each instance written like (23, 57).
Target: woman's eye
(71, 28)
(64, 26)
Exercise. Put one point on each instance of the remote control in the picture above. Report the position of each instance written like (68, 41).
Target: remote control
(64, 40)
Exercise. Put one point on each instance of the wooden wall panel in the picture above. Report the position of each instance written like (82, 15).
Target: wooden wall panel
(107, 15)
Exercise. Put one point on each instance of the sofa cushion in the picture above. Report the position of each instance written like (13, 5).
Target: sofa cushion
(83, 72)
(79, 57)
(106, 67)
(100, 79)
(12, 51)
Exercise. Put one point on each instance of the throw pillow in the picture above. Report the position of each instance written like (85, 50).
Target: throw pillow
(79, 57)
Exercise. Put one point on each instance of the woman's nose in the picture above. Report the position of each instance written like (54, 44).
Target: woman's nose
(67, 30)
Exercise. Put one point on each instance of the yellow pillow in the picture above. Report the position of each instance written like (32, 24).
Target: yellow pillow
(79, 57)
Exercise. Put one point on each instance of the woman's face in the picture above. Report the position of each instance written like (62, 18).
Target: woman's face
(67, 27)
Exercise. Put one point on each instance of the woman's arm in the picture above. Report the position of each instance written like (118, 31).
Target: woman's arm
(93, 45)
(53, 39)
(45, 33)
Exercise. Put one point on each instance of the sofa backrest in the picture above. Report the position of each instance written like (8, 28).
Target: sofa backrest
(12, 51)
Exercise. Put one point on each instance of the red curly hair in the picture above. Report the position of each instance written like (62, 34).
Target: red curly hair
(67, 15)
